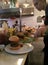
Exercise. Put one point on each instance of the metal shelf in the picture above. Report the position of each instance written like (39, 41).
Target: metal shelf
(10, 12)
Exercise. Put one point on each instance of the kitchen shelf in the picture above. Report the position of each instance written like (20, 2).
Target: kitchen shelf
(10, 12)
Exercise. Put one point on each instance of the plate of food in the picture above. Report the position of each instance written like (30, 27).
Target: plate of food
(18, 48)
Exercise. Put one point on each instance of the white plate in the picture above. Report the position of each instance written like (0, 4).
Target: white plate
(27, 47)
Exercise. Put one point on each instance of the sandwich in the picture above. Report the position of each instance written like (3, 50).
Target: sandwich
(15, 45)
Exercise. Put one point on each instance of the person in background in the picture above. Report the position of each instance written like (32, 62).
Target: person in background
(5, 26)
(41, 29)
(3, 33)
(16, 26)
(42, 26)
(45, 40)
(43, 17)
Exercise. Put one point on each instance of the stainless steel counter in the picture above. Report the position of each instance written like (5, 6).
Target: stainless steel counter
(10, 59)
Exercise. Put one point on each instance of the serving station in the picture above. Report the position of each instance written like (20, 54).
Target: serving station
(9, 55)
(14, 57)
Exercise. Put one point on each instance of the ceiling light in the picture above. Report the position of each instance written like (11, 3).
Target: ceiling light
(26, 4)
(32, 12)
(8, 2)
(4, 2)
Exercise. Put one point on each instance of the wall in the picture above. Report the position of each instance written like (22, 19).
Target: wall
(30, 21)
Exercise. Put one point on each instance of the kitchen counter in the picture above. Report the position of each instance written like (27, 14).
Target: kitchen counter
(10, 59)
(18, 57)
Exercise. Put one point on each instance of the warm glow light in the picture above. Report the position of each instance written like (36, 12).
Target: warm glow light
(4, 2)
(17, 4)
(26, 5)
(32, 13)
(20, 61)
(8, 2)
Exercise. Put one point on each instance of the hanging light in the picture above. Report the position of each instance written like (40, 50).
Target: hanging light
(26, 4)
